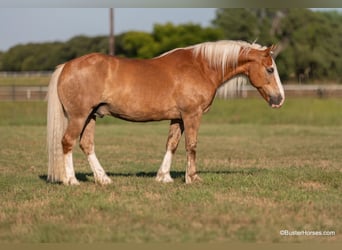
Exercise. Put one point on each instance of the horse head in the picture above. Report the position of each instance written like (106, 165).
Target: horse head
(263, 75)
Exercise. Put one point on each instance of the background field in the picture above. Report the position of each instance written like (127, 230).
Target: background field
(264, 171)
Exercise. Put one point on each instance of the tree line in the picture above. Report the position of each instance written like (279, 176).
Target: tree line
(309, 42)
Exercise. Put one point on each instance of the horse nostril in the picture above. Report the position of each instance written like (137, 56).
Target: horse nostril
(275, 101)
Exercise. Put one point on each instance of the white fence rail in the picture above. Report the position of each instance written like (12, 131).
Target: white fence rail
(36, 93)
(23, 93)
(25, 73)
(292, 90)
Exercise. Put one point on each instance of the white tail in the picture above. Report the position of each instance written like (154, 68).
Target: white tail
(56, 125)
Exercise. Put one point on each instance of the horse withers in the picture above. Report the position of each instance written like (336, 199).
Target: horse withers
(179, 86)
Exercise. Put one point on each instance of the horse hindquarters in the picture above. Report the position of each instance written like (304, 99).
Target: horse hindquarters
(71, 97)
(60, 164)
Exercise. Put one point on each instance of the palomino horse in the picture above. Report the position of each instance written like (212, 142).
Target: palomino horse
(179, 85)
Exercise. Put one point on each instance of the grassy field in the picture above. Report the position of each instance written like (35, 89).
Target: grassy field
(25, 80)
(263, 171)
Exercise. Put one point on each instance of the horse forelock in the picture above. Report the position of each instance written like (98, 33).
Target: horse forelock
(222, 53)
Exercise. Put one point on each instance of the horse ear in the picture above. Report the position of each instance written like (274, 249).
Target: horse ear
(270, 50)
(275, 50)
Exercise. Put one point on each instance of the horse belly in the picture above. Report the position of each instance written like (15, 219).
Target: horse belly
(143, 109)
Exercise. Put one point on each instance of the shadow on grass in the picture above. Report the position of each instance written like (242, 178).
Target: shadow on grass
(88, 177)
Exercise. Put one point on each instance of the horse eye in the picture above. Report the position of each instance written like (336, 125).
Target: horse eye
(270, 70)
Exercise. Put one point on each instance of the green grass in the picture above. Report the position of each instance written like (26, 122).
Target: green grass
(305, 111)
(24, 80)
(263, 171)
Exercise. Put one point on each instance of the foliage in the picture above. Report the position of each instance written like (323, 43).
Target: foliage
(1, 55)
(240, 24)
(170, 36)
(164, 38)
(46, 56)
(310, 42)
(138, 44)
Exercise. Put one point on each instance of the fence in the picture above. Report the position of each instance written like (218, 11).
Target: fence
(238, 88)
(25, 73)
(291, 90)
(23, 93)
(38, 93)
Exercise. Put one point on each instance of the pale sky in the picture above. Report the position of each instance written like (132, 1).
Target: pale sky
(24, 25)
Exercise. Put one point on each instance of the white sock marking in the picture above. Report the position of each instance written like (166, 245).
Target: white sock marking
(166, 164)
(99, 173)
(69, 170)
(163, 174)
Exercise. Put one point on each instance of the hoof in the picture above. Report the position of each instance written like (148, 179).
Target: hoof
(164, 178)
(72, 181)
(191, 179)
(103, 180)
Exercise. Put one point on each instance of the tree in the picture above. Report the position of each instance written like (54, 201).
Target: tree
(169, 36)
(164, 37)
(1, 55)
(309, 42)
(137, 44)
(315, 42)
(237, 24)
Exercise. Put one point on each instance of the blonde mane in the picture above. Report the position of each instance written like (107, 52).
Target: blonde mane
(219, 54)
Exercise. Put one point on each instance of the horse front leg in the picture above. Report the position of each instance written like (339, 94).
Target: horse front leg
(191, 124)
(175, 133)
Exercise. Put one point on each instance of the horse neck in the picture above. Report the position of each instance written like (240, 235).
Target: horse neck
(231, 72)
(220, 75)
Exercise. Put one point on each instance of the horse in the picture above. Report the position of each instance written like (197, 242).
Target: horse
(179, 85)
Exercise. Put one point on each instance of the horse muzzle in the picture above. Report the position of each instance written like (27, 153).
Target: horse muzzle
(276, 101)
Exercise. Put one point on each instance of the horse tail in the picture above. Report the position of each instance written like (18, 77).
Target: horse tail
(56, 125)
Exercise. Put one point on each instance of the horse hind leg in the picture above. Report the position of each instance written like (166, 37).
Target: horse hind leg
(71, 134)
(87, 146)
(175, 133)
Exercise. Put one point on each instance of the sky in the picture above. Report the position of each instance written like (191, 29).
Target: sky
(24, 25)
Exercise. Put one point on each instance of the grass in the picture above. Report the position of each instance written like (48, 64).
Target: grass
(24, 80)
(263, 170)
(306, 111)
